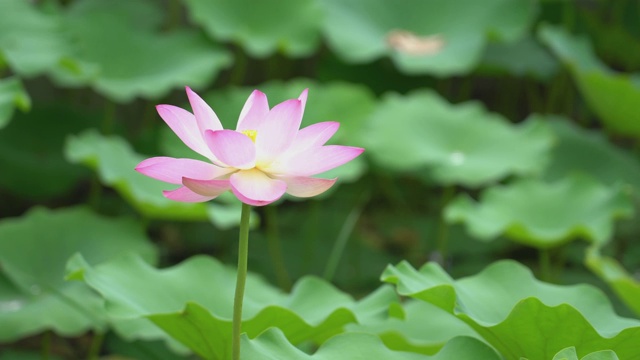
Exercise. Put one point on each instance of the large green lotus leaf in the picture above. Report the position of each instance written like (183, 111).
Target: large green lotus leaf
(31, 159)
(147, 64)
(608, 269)
(520, 316)
(179, 301)
(261, 27)
(273, 345)
(457, 144)
(33, 252)
(543, 214)
(440, 37)
(614, 97)
(420, 327)
(571, 354)
(348, 104)
(115, 161)
(31, 42)
(580, 150)
(12, 95)
(194, 325)
(67, 310)
(525, 57)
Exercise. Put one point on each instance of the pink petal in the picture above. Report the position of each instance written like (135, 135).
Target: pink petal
(315, 160)
(172, 170)
(183, 123)
(232, 148)
(303, 98)
(314, 135)
(302, 186)
(255, 188)
(205, 117)
(253, 112)
(278, 130)
(183, 194)
(207, 187)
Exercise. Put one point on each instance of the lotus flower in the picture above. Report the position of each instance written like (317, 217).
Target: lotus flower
(266, 156)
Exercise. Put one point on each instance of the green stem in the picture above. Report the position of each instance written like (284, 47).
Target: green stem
(569, 16)
(345, 232)
(95, 346)
(544, 258)
(109, 119)
(310, 235)
(442, 239)
(239, 72)
(95, 193)
(175, 15)
(341, 242)
(46, 345)
(275, 248)
(243, 254)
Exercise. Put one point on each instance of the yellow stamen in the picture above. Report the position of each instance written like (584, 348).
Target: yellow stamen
(251, 134)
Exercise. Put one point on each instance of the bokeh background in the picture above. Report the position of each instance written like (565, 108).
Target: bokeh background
(493, 129)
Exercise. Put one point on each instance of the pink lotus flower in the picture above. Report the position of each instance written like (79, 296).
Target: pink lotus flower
(267, 155)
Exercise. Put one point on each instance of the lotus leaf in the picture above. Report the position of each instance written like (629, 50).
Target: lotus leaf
(147, 64)
(440, 37)
(520, 316)
(33, 252)
(262, 28)
(176, 300)
(272, 345)
(12, 95)
(625, 285)
(542, 214)
(613, 96)
(458, 144)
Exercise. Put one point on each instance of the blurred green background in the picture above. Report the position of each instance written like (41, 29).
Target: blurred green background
(493, 129)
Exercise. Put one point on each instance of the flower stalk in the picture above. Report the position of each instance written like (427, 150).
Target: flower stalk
(243, 254)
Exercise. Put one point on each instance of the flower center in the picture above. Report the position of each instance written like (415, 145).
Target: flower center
(251, 134)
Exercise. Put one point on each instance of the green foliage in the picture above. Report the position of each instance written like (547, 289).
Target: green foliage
(358, 346)
(570, 354)
(31, 157)
(114, 160)
(12, 95)
(578, 315)
(455, 143)
(542, 214)
(625, 285)
(34, 250)
(588, 152)
(314, 311)
(419, 327)
(149, 64)
(612, 96)
(525, 57)
(487, 120)
(361, 31)
(31, 41)
(262, 28)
